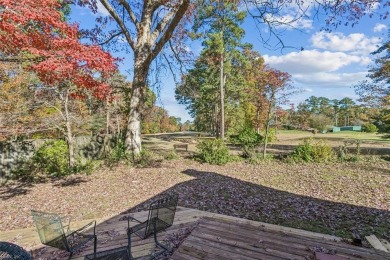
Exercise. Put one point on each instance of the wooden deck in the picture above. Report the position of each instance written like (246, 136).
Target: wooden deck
(215, 236)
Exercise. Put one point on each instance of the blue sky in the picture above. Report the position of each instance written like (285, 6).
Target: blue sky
(329, 64)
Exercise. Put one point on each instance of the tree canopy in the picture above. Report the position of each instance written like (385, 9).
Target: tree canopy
(35, 31)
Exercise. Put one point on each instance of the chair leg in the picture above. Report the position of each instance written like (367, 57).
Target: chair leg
(158, 243)
(70, 256)
(129, 245)
(94, 245)
(164, 248)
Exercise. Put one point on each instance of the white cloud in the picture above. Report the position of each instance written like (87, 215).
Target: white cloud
(289, 15)
(355, 43)
(101, 9)
(330, 79)
(313, 61)
(289, 22)
(379, 27)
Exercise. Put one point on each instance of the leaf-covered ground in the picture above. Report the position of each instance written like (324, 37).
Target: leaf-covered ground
(330, 198)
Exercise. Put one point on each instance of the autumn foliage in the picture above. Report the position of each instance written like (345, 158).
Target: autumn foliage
(36, 31)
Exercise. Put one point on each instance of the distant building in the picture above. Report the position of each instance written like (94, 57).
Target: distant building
(357, 128)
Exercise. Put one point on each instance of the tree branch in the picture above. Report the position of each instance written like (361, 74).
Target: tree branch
(110, 38)
(167, 28)
(120, 22)
(21, 59)
(130, 12)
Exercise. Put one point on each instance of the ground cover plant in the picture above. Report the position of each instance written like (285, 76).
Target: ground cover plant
(331, 198)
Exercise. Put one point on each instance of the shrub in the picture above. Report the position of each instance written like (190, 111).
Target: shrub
(370, 128)
(213, 152)
(259, 158)
(87, 167)
(171, 155)
(248, 138)
(118, 153)
(147, 158)
(52, 158)
(347, 152)
(310, 151)
(320, 122)
(271, 135)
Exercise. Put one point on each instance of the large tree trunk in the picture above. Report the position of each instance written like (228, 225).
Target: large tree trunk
(154, 26)
(133, 134)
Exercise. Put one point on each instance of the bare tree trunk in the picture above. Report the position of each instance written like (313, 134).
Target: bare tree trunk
(276, 120)
(69, 136)
(258, 120)
(118, 126)
(133, 134)
(269, 112)
(216, 118)
(107, 117)
(222, 85)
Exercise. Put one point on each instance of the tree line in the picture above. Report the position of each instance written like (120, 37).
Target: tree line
(67, 83)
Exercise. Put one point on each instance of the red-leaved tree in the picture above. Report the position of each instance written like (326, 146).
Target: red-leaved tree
(35, 32)
(276, 89)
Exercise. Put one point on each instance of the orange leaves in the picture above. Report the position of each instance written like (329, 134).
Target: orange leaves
(36, 27)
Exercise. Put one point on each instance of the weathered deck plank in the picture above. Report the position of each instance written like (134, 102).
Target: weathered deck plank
(215, 237)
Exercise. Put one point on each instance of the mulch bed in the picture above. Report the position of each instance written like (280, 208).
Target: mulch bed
(333, 198)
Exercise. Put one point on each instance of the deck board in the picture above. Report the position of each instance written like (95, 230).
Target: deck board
(215, 236)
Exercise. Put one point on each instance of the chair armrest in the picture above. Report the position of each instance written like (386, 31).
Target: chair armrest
(130, 218)
(84, 228)
(135, 228)
(66, 223)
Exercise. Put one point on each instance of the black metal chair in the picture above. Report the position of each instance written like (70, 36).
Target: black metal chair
(121, 253)
(161, 216)
(11, 251)
(52, 233)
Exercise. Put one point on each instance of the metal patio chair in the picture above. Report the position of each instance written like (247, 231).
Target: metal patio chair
(53, 233)
(161, 216)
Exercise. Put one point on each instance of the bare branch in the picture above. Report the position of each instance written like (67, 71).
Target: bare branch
(130, 12)
(21, 59)
(120, 22)
(111, 38)
(168, 26)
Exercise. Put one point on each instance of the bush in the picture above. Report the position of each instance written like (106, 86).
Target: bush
(52, 158)
(213, 152)
(171, 155)
(259, 158)
(310, 151)
(345, 152)
(320, 122)
(118, 153)
(248, 138)
(147, 158)
(370, 128)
